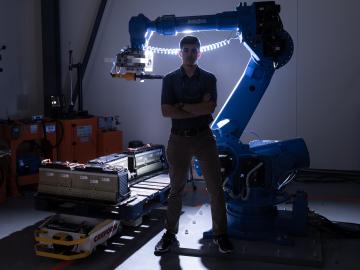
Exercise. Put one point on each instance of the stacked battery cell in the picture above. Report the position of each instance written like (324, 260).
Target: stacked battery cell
(146, 159)
(112, 160)
(139, 161)
(86, 181)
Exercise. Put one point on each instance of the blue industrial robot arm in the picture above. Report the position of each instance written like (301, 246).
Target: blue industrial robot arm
(254, 174)
(261, 33)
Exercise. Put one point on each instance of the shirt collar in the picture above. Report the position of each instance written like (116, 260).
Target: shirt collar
(196, 73)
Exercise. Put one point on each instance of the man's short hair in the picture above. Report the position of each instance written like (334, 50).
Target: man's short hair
(190, 40)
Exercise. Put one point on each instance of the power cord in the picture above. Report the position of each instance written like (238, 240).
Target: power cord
(59, 140)
(327, 176)
(337, 229)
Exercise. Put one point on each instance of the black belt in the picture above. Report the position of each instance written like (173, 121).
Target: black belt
(188, 132)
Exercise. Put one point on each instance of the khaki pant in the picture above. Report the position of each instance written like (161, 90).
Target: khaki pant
(180, 151)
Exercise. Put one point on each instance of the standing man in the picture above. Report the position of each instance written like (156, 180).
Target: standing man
(189, 98)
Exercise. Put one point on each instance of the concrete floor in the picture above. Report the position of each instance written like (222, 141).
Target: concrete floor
(336, 201)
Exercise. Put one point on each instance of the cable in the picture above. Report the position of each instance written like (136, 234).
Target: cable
(327, 176)
(252, 133)
(58, 139)
(291, 176)
(338, 229)
(247, 189)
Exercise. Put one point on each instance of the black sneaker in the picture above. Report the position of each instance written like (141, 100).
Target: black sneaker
(224, 244)
(164, 245)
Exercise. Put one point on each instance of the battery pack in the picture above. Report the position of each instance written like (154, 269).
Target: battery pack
(90, 181)
(146, 159)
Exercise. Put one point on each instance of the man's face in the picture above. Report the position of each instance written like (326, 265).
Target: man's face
(189, 54)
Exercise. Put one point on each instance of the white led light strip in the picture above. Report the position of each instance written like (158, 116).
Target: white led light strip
(205, 48)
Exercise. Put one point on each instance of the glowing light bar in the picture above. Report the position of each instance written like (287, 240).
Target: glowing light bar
(206, 48)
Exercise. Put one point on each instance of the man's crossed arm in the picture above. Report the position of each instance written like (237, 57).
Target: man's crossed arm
(185, 110)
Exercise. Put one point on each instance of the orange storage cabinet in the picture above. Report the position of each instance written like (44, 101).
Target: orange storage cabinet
(78, 139)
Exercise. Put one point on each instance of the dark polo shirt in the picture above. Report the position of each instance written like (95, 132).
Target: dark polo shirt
(177, 87)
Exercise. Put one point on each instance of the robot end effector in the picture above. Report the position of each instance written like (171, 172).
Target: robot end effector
(131, 64)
